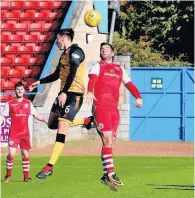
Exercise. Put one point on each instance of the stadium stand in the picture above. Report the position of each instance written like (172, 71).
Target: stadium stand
(26, 40)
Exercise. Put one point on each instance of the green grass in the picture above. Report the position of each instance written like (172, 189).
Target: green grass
(78, 177)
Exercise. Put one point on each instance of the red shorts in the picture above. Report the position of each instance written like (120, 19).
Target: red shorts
(23, 142)
(106, 119)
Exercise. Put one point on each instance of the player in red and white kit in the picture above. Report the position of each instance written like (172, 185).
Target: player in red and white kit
(103, 90)
(19, 110)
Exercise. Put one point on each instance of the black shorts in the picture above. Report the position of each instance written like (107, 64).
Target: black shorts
(73, 103)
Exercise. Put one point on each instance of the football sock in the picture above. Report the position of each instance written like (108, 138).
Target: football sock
(9, 164)
(107, 161)
(57, 149)
(26, 167)
(78, 121)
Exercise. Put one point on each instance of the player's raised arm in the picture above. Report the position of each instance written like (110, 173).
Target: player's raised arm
(132, 88)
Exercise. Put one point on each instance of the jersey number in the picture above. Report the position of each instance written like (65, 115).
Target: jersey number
(67, 109)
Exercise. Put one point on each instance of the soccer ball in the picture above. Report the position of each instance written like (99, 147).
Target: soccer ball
(92, 18)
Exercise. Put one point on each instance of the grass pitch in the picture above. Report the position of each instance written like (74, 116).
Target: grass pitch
(79, 177)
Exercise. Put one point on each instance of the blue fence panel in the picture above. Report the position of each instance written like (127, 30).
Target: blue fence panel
(164, 116)
(189, 104)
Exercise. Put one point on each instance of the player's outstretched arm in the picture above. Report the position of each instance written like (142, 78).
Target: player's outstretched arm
(51, 78)
(135, 92)
(40, 118)
(132, 89)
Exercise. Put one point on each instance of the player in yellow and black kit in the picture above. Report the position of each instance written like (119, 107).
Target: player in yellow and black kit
(71, 71)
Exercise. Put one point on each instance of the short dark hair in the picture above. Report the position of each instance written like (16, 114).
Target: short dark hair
(18, 84)
(102, 44)
(67, 31)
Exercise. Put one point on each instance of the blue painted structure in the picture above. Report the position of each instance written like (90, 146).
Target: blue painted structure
(168, 113)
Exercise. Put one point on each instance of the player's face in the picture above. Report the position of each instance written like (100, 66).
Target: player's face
(61, 42)
(19, 91)
(106, 52)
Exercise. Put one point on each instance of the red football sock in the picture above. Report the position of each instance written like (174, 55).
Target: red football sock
(26, 167)
(107, 161)
(9, 164)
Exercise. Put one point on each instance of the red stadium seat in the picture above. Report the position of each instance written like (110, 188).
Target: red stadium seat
(26, 51)
(5, 39)
(7, 27)
(14, 73)
(6, 61)
(42, 49)
(40, 16)
(17, 39)
(15, 80)
(11, 51)
(21, 27)
(46, 38)
(12, 16)
(8, 85)
(37, 61)
(4, 73)
(26, 16)
(21, 61)
(44, 5)
(6, 67)
(5, 97)
(3, 79)
(50, 27)
(20, 68)
(3, 14)
(5, 5)
(31, 40)
(59, 4)
(28, 73)
(3, 45)
(31, 5)
(2, 50)
(31, 11)
(16, 5)
(35, 27)
(54, 16)
(45, 11)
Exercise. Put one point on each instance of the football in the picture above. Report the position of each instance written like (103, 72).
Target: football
(92, 18)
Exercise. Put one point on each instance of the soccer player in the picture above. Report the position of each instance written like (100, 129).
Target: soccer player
(19, 110)
(71, 71)
(103, 91)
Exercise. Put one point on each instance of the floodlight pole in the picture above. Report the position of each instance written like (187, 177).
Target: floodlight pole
(112, 26)
(115, 6)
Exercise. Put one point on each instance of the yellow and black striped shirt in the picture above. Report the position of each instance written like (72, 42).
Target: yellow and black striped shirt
(71, 71)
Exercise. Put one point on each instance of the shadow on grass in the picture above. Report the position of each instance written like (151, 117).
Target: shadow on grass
(171, 187)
